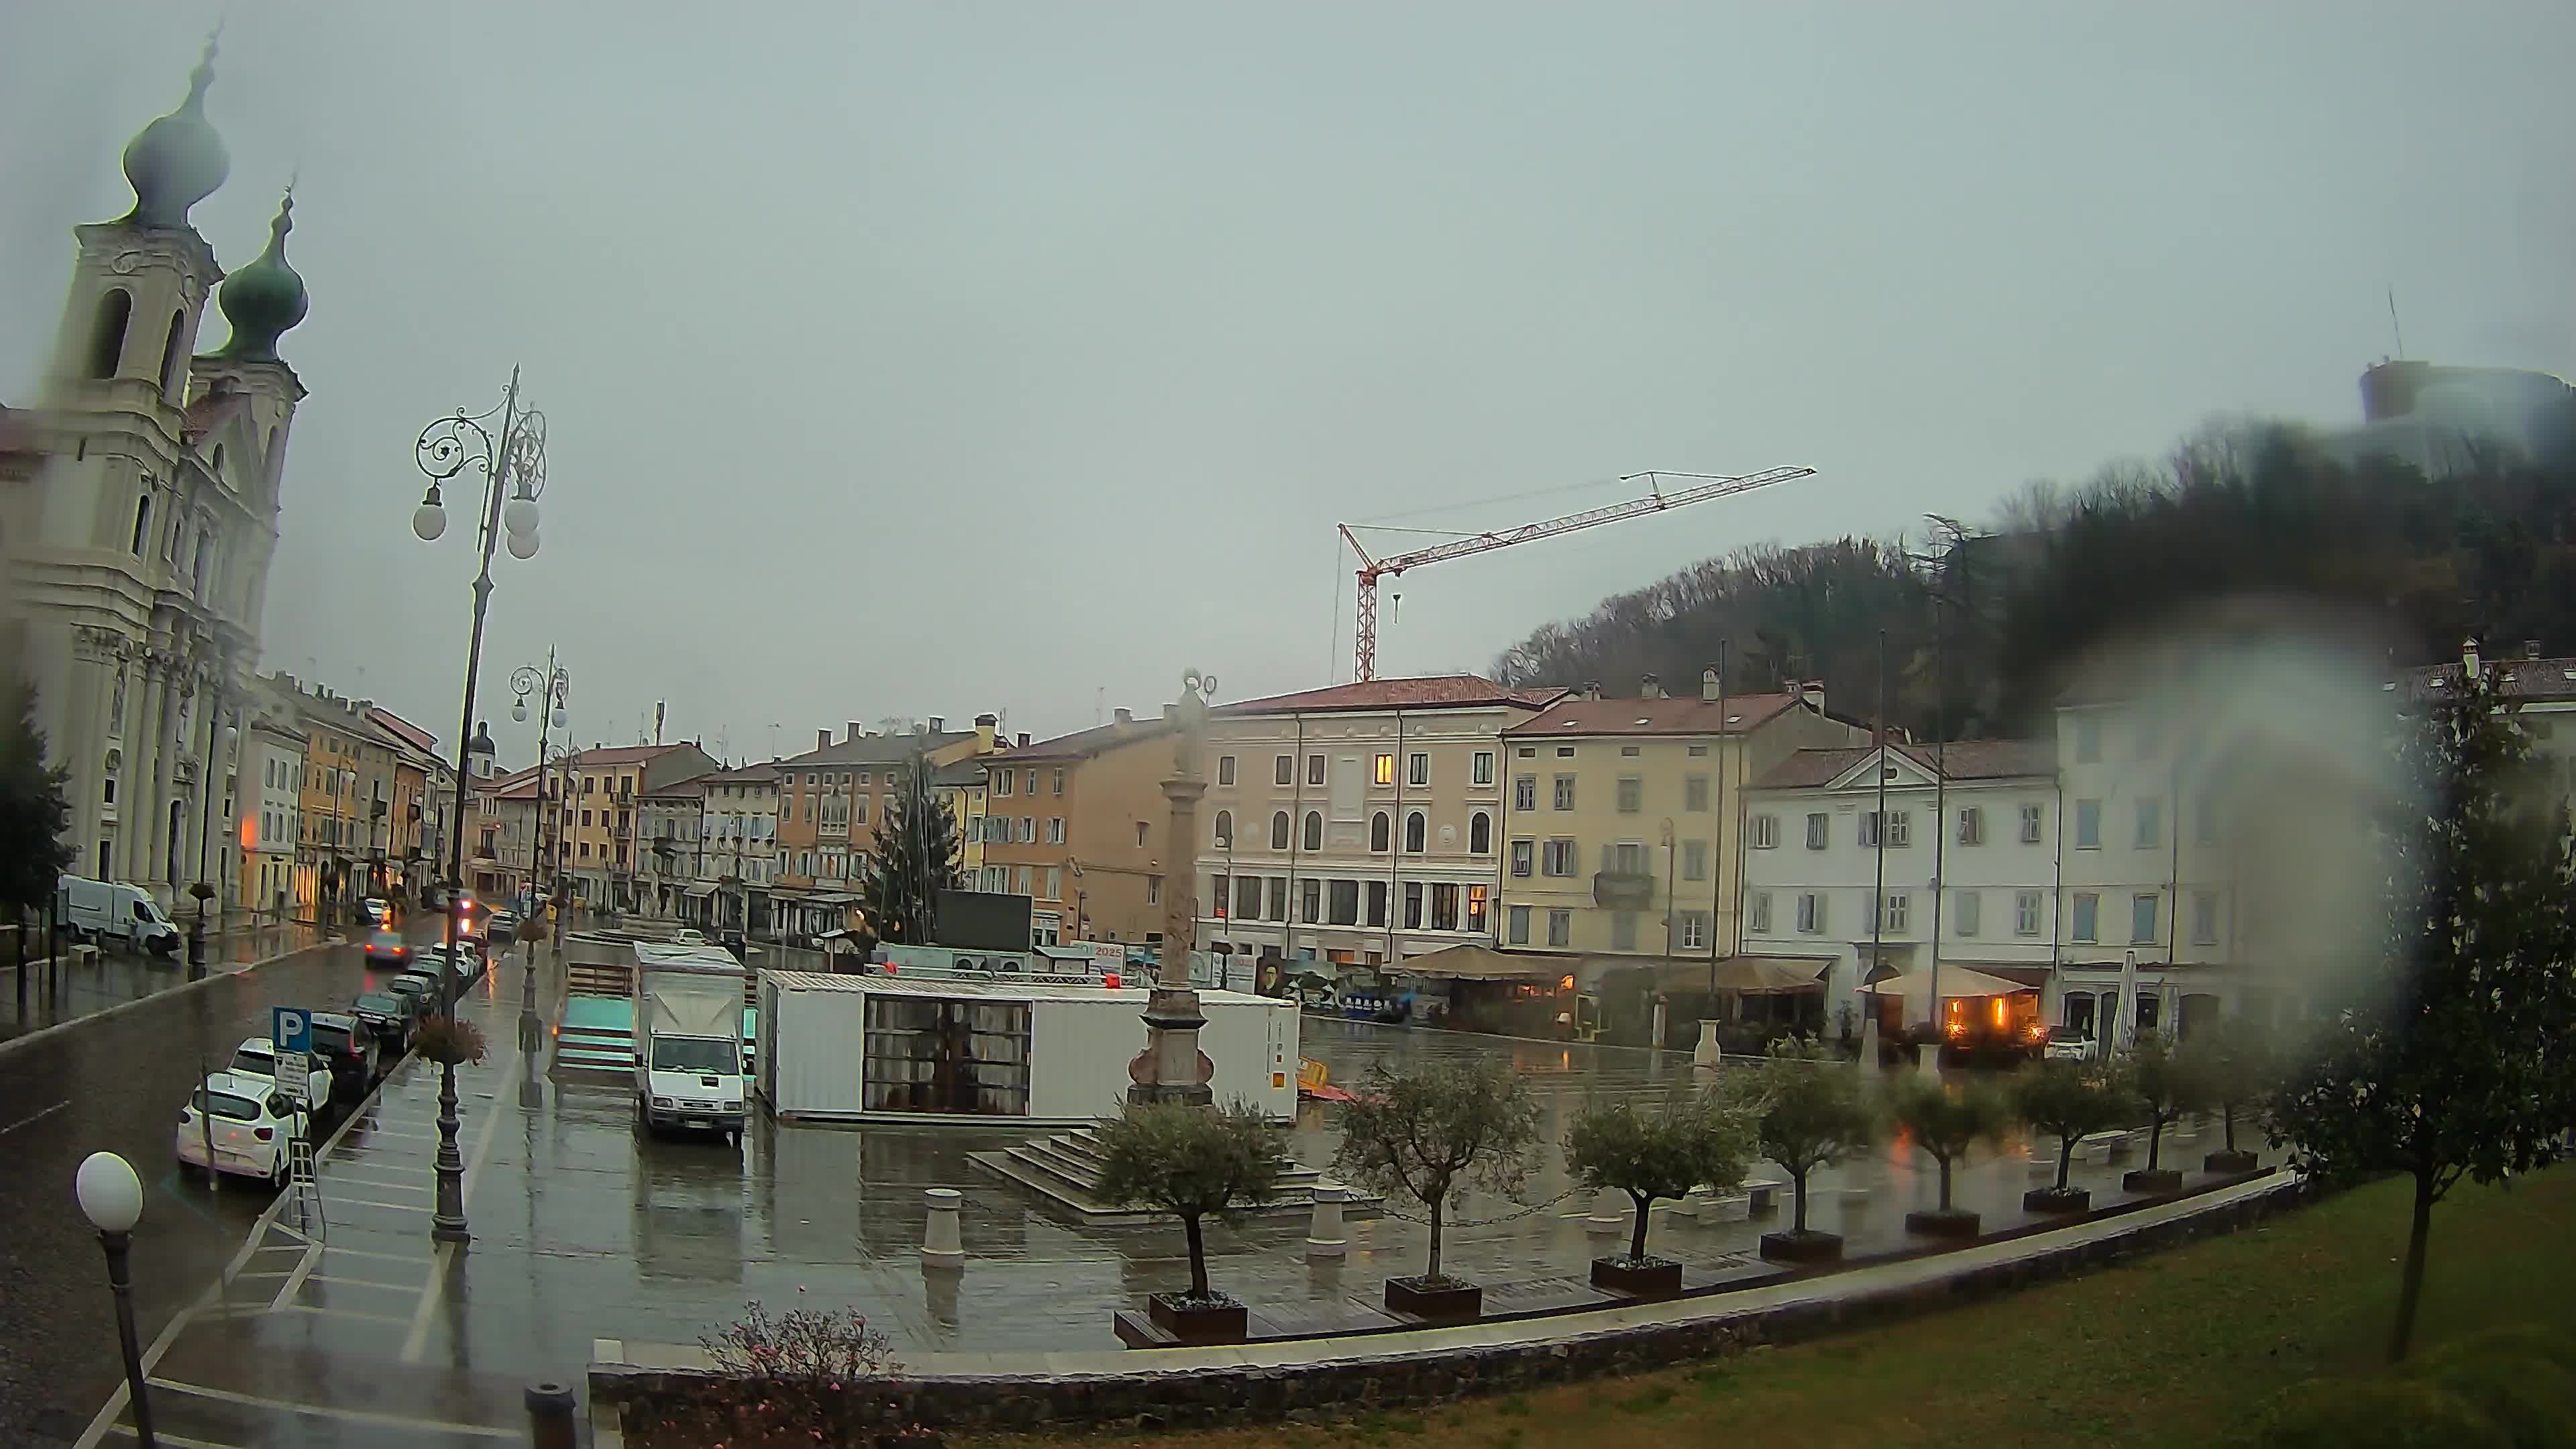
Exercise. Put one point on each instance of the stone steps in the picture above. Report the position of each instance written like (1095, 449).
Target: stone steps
(1065, 1170)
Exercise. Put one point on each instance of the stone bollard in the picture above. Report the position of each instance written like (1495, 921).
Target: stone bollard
(1324, 1236)
(940, 1245)
(550, 1416)
(1610, 1212)
(1708, 1053)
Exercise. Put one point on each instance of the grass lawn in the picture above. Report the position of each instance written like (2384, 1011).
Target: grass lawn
(2170, 1349)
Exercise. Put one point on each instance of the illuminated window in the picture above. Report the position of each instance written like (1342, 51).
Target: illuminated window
(1385, 771)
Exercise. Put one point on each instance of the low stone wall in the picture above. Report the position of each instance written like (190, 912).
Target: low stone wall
(1408, 1371)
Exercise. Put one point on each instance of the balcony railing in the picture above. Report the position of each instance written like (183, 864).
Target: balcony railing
(1623, 890)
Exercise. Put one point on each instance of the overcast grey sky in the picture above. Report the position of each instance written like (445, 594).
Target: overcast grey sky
(927, 359)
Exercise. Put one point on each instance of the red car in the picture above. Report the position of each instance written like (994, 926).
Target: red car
(384, 948)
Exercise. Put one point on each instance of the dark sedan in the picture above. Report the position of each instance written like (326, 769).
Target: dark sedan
(384, 948)
(350, 1048)
(390, 1015)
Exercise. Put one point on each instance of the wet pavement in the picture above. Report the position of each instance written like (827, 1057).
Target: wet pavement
(357, 1331)
(113, 976)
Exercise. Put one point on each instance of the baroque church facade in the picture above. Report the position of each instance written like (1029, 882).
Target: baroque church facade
(137, 551)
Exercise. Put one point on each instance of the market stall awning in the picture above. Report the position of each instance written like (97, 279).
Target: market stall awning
(1955, 981)
(1483, 963)
(1772, 973)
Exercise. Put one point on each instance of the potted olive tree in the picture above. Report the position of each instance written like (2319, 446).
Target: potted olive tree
(1425, 1131)
(2164, 1088)
(1948, 1124)
(1701, 1140)
(1813, 1115)
(2070, 1101)
(1192, 1163)
(2233, 1059)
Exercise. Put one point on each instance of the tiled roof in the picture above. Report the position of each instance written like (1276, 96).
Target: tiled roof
(1667, 716)
(1438, 691)
(598, 755)
(2548, 679)
(876, 749)
(209, 411)
(1960, 760)
(764, 773)
(402, 729)
(1082, 744)
(695, 785)
(964, 773)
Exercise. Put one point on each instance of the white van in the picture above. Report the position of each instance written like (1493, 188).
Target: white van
(102, 909)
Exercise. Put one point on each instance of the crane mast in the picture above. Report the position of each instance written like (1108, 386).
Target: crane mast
(1711, 485)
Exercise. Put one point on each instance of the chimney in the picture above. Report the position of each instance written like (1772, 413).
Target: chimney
(939, 724)
(1651, 687)
(2469, 658)
(855, 731)
(2531, 649)
(1709, 688)
(985, 726)
(1023, 740)
(1126, 716)
(1811, 692)
(1592, 690)
(822, 739)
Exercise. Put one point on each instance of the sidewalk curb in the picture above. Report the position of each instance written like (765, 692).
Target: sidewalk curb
(210, 978)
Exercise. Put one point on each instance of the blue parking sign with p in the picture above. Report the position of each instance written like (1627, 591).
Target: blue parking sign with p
(291, 1029)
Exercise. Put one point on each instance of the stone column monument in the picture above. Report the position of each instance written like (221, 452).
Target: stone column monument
(1171, 1068)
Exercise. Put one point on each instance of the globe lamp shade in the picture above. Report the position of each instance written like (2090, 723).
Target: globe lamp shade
(519, 515)
(428, 521)
(111, 1196)
(523, 545)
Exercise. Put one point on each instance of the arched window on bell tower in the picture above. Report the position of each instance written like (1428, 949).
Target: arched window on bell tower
(107, 333)
(173, 353)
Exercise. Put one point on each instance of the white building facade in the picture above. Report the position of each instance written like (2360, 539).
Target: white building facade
(737, 860)
(272, 811)
(1961, 868)
(138, 554)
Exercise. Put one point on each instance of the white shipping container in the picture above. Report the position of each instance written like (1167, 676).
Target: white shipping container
(994, 1051)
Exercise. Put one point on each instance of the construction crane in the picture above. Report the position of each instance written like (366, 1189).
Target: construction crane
(1711, 485)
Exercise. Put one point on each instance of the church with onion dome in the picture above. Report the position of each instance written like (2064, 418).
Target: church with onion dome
(138, 542)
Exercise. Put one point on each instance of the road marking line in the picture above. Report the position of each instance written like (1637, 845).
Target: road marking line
(176, 1441)
(295, 1279)
(35, 1117)
(396, 1207)
(262, 1273)
(336, 1312)
(339, 1179)
(386, 1257)
(359, 1416)
(371, 1165)
(365, 1283)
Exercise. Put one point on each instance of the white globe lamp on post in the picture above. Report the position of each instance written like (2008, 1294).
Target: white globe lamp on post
(111, 1197)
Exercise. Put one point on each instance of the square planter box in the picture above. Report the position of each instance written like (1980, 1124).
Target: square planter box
(1193, 1320)
(2050, 1200)
(2229, 1162)
(1807, 1247)
(1934, 1223)
(1445, 1298)
(1638, 1277)
(2161, 1180)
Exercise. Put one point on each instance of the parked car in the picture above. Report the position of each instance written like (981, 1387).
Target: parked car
(466, 965)
(503, 928)
(384, 948)
(104, 910)
(247, 1122)
(257, 1057)
(390, 1015)
(378, 911)
(422, 985)
(687, 936)
(350, 1048)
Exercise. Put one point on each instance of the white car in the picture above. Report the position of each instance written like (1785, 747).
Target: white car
(687, 937)
(256, 1059)
(465, 966)
(246, 1121)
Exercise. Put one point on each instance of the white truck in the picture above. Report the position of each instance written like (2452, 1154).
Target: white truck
(101, 909)
(688, 1039)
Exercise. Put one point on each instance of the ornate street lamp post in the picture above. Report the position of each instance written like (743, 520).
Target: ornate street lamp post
(552, 686)
(219, 745)
(514, 476)
(1171, 1068)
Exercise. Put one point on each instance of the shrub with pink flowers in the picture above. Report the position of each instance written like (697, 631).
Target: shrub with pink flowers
(802, 1376)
